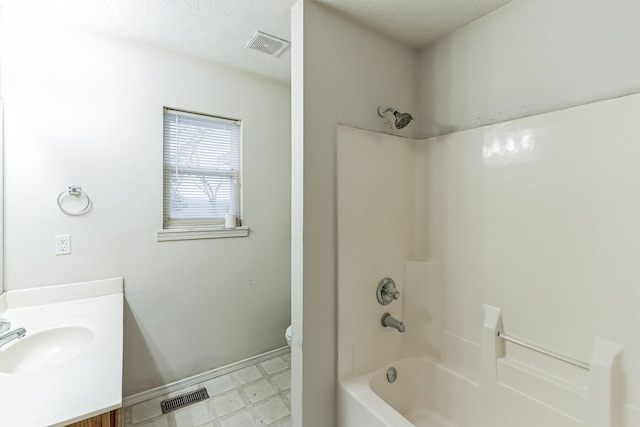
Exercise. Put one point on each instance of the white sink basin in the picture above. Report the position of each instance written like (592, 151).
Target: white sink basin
(45, 349)
(68, 366)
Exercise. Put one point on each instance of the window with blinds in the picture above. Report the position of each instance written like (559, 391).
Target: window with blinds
(201, 170)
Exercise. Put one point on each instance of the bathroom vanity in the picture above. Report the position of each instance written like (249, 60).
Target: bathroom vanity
(108, 419)
(67, 369)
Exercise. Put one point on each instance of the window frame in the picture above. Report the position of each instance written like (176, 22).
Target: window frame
(202, 228)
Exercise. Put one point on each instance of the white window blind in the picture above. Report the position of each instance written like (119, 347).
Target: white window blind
(201, 170)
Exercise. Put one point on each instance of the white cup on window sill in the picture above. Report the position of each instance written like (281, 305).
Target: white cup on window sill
(229, 221)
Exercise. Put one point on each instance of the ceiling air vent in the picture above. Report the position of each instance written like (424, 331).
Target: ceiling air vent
(267, 43)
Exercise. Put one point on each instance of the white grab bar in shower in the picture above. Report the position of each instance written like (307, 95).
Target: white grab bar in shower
(523, 343)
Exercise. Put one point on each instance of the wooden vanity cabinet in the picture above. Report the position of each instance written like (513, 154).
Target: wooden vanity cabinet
(108, 419)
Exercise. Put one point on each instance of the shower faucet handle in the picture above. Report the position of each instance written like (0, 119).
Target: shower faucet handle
(387, 291)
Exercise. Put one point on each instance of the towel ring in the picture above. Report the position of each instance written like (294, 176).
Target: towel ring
(74, 191)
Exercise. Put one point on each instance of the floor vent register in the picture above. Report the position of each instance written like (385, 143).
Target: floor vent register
(183, 400)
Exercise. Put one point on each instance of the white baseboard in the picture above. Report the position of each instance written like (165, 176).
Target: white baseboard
(199, 378)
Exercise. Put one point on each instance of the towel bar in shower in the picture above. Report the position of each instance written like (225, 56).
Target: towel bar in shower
(543, 350)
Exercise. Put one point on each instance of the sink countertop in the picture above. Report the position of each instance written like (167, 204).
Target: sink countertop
(87, 385)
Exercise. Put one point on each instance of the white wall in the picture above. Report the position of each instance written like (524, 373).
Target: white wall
(526, 58)
(86, 109)
(541, 234)
(341, 73)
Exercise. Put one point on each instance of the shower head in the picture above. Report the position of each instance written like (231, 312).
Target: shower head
(402, 119)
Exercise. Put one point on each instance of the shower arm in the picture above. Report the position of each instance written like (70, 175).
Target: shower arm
(381, 113)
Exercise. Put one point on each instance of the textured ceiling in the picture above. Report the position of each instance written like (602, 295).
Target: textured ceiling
(218, 29)
(415, 22)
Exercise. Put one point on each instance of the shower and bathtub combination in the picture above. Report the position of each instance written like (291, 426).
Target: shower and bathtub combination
(427, 336)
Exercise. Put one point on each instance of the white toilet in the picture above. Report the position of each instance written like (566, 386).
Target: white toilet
(287, 335)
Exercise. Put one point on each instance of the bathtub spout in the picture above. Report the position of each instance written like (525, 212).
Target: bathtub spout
(388, 320)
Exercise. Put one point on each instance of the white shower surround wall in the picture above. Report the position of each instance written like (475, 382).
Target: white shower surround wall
(536, 217)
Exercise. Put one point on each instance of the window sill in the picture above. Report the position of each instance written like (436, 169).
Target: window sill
(170, 235)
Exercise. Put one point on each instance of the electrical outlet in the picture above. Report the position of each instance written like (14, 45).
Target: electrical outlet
(63, 244)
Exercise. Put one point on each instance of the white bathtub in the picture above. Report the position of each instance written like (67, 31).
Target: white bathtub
(512, 385)
(425, 394)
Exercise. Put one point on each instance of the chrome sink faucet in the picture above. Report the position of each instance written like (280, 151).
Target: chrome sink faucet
(5, 325)
(390, 321)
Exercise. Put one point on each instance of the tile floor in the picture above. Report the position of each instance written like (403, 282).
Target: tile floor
(255, 396)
